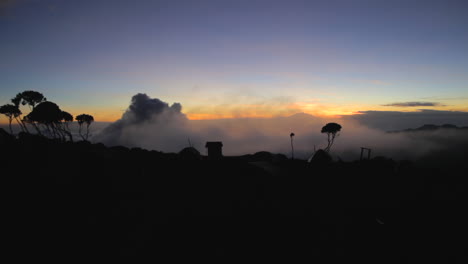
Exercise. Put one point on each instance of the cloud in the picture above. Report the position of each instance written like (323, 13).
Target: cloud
(153, 124)
(143, 108)
(446, 98)
(414, 104)
(148, 122)
(394, 120)
(276, 106)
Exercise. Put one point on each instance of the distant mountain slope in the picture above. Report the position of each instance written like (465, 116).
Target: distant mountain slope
(431, 127)
(394, 120)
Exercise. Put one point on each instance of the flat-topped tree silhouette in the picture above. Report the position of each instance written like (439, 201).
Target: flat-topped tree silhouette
(84, 119)
(12, 112)
(332, 130)
(31, 98)
(48, 115)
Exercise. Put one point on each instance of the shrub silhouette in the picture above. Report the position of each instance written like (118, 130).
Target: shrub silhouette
(84, 119)
(12, 112)
(332, 130)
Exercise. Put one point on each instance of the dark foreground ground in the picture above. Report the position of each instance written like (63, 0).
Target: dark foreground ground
(69, 201)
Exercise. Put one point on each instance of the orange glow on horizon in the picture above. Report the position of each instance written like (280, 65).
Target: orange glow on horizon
(206, 116)
(256, 111)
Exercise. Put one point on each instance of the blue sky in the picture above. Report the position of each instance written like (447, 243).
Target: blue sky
(237, 58)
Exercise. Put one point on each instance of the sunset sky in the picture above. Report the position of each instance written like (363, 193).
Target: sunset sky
(237, 58)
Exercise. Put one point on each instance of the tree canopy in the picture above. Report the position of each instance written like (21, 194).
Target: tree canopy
(31, 98)
(332, 130)
(84, 119)
(45, 113)
(10, 111)
(45, 117)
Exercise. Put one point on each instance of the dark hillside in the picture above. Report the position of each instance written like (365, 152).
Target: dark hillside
(71, 200)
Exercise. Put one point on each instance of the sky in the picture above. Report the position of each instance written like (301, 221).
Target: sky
(226, 59)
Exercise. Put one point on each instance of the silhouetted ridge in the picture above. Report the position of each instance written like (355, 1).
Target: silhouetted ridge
(430, 127)
(264, 156)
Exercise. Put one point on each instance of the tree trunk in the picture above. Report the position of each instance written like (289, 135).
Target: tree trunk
(57, 131)
(292, 148)
(70, 136)
(69, 132)
(48, 129)
(19, 123)
(87, 132)
(11, 130)
(330, 141)
(327, 149)
(79, 132)
(22, 125)
(25, 127)
(37, 128)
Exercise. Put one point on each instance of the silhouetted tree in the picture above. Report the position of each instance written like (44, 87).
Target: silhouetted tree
(292, 146)
(332, 130)
(12, 112)
(61, 127)
(84, 119)
(66, 119)
(47, 114)
(31, 98)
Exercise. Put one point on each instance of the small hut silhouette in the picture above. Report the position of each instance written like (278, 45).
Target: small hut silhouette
(214, 150)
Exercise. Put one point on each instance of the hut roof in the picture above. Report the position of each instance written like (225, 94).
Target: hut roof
(214, 144)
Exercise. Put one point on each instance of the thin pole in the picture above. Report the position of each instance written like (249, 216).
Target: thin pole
(292, 145)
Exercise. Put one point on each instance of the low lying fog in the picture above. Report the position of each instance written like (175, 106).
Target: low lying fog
(153, 124)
